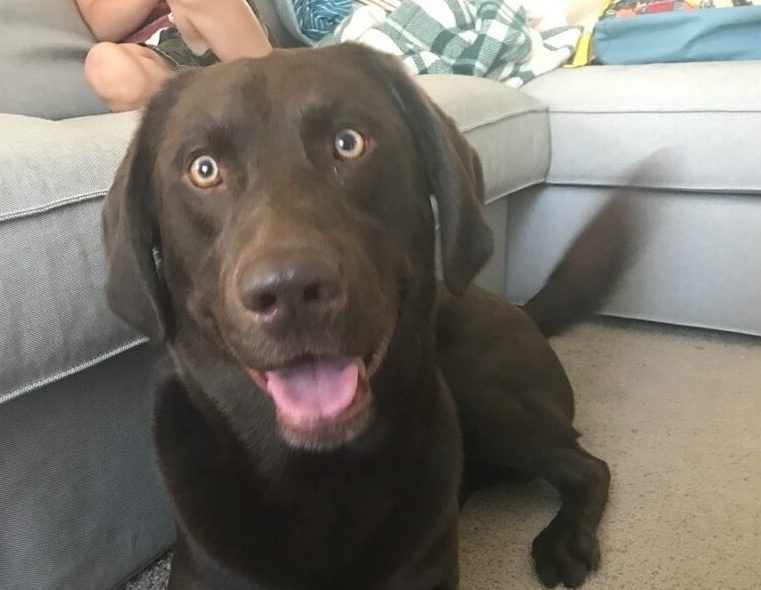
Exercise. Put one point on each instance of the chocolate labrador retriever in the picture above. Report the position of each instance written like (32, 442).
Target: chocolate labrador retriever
(272, 225)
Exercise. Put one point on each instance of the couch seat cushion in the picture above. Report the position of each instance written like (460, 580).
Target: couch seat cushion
(704, 117)
(508, 128)
(53, 314)
(42, 50)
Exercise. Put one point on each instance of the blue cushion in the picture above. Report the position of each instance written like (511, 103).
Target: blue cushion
(699, 35)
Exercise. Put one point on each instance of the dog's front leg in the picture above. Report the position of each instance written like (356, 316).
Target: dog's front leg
(567, 550)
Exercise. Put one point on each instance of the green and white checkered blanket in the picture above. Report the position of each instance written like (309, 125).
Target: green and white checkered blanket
(511, 41)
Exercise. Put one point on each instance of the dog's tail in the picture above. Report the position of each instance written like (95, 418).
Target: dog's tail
(590, 268)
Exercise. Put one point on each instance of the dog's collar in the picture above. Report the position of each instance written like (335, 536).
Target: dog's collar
(158, 262)
(162, 290)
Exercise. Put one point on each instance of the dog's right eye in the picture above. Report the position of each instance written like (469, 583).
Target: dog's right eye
(349, 144)
(204, 172)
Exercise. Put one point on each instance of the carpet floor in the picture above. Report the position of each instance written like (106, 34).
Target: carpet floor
(676, 413)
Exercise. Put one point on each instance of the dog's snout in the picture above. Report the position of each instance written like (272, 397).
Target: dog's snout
(292, 287)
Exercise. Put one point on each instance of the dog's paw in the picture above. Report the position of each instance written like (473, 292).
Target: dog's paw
(565, 554)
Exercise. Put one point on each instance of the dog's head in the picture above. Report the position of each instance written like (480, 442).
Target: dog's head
(275, 214)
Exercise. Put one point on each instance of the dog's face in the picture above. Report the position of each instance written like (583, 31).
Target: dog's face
(286, 201)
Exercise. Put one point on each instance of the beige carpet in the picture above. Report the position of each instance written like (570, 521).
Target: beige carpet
(676, 413)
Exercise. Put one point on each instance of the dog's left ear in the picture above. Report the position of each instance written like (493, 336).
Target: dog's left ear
(134, 286)
(453, 169)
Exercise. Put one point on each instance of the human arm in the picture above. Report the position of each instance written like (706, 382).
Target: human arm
(112, 20)
(228, 27)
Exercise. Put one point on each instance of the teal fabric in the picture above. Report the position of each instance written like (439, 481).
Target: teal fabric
(286, 10)
(317, 18)
(717, 34)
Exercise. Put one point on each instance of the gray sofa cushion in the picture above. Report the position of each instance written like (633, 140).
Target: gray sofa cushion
(82, 507)
(53, 316)
(508, 128)
(696, 262)
(42, 50)
(706, 115)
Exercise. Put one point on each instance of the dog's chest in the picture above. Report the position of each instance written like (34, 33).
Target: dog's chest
(317, 520)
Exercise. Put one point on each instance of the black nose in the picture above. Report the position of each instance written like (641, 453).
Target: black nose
(284, 288)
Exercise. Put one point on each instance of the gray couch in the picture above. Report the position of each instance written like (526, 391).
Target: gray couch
(80, 503)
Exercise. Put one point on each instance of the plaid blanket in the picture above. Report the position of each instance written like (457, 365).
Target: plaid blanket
(511, 41)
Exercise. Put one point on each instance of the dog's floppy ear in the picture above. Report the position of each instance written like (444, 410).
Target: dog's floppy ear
(134, 286)
(454, 174)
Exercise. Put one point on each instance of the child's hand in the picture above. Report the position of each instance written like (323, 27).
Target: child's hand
(112, 20)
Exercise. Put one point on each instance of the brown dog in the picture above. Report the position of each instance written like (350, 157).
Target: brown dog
(272, 225)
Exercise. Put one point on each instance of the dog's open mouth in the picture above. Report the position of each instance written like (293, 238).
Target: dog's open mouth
(322, 398)
(312, 390)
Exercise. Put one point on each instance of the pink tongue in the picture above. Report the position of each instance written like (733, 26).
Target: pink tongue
(315, 389)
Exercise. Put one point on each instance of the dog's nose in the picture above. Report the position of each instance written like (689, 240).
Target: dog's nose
(292, 287)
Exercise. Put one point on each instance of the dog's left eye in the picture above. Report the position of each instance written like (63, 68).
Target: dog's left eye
(349, 144)
(204, 172)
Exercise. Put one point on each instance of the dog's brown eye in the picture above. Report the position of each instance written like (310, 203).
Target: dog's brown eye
(349, 144)
(204, 172)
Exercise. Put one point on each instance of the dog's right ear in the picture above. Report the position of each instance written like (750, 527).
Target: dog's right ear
(134, 287)
(453, 168)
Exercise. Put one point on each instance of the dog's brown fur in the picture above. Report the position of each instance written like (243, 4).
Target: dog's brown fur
(370, 503)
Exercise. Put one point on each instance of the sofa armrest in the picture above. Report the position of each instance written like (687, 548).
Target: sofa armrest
(54, 319)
